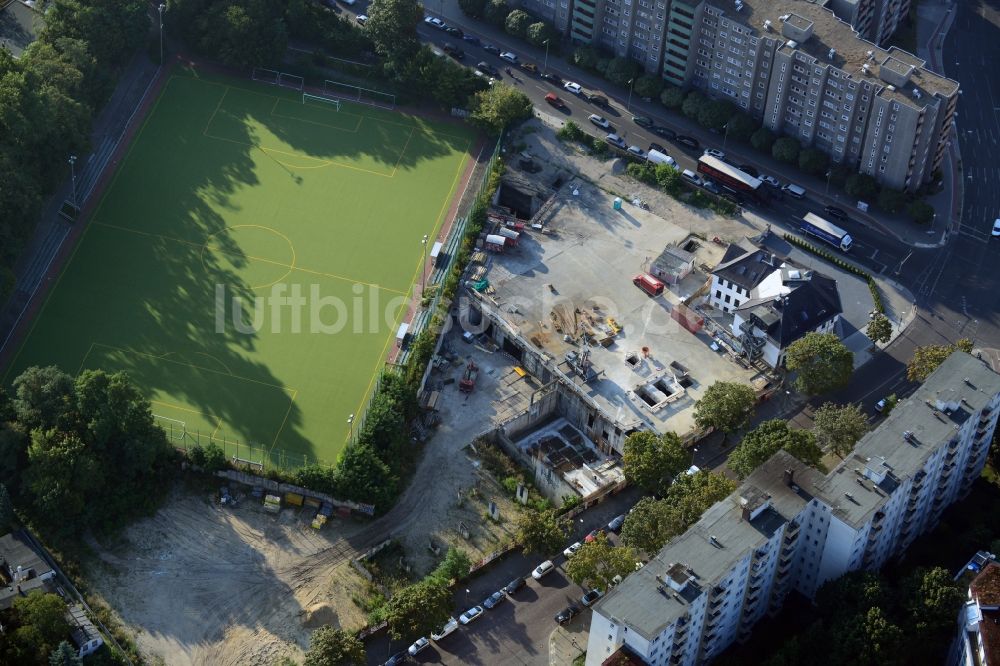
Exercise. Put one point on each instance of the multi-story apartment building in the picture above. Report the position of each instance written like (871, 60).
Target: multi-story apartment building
(875, 20)
(790, 527)
(978, 640)
(799, 69)
(556, 12)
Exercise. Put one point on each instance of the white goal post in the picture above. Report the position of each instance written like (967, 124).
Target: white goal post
(276, 78)
(335, 103)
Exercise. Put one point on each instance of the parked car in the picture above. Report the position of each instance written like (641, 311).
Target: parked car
(433, 21)
(691, 177)
(616, 141)
(658, 148)
(637, 151)
(349, 3)
(593, 535)
(530, 67)
(542, 569)
(418, 646)
(590, 598)
(452, 30)
(552, 78)
(616, 523)
(489, 48)
(449, 627)
(509, 57)
(594, 98)
(996, 228)
(710, 185)
(567, 614)
(600, 121)
(572, 87)
(746, 168)
(836, 213)
(361, 18)
(471, 615)
(554, 100)
(571, 549)
(665, 132)
(453, 51)
(488, 69)
(397, 659)
(794, 190)
(472, 39)
(880, 405)
(772, 181)
(493, 600)
(688, 141)
(514, 585)
(642, 121)
(716, 153)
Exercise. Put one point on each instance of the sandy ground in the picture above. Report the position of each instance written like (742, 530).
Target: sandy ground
(205, 584)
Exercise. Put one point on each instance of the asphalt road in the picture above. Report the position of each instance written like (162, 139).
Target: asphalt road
(517, 631)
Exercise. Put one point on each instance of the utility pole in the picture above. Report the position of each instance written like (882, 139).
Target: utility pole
(423, 267)
(545, 65)
(161, 8)
(72, 169)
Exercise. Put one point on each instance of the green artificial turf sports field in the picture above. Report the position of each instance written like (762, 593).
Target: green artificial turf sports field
(241, 189)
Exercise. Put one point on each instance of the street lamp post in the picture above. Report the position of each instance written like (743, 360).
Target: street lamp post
(829, 174)
(350, 423)
(72, 170)
(545, 65)
(423, 267)
(628, 104)
(725, 137)
(161, 8)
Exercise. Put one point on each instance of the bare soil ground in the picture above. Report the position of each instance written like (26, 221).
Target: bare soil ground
(206, 584)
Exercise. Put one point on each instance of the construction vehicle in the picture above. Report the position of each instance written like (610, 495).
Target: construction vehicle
(468, 382)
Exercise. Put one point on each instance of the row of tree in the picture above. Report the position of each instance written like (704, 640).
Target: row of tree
(37, 631)
(47, 102)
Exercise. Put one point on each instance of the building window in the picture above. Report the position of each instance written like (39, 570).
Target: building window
(718, 293)
(728, 297)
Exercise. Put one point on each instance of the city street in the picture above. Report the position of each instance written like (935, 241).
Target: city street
(517, 631)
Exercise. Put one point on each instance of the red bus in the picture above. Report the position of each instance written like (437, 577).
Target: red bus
(729, 176)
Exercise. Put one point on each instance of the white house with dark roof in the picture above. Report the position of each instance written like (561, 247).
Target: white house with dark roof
(773, 301)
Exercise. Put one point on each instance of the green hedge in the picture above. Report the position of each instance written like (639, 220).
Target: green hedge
(847, 266)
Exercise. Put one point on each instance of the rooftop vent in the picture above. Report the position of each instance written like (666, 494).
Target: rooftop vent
(849, 496)
(907, 435)
(871, 55)
(832, 53)
(891, 88)
(784, 17)
(767, 25)
(714, 541)
(866, 69)
(739, 6)
(916, 93)
(792, 44)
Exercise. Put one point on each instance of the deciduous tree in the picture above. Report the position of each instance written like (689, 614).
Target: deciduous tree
(763, 140)
(598, 563)
(496, 12)
(839, 427)
(648, 86)
(891, 200)
(694, 101)
(517, 23)
(921, 211)
(651, 460)
(725, 406)
(538, 33)
(879, 329)
(742, 127)
(65, 655)
(541, 532)
(814, 162)
(767, 439)
(363, 477)
(473, 8)
(45, 613)
(500, 106)
(418, 609)
(926, 359)
(621, 71)
(786, 149)
(822, 363)
(392, 27)
(714, 114)
(672, 97)
(861, 186)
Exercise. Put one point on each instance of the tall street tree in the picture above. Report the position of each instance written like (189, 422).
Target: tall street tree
(598, 563)
(541, 532)
(839, 427)
(725, 406)
(651, 461)
(767, 439)
(392, 27)
(334, 647)
(822, 363)
(418, 609)
(926, 359)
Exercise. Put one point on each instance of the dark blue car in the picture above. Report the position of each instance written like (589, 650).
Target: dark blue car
(492, 600)
(472, 39)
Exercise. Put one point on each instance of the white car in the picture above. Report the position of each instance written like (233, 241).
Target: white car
(771, 180)
(418, 645)
(716, 153)
(542, 569)
(573, 87)
(616, 141)
(637, 151)
(600, 121)
(448, 628)
(509, 57)
(571, 551)
(470, 615)
(361, 18)
(996, 228)
(434, 21)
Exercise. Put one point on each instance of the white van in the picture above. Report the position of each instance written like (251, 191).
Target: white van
(794, 190)
(691, 176)
(656, 157)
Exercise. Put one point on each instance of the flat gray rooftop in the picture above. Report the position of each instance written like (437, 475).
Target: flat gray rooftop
(577, 276)
(829, 32)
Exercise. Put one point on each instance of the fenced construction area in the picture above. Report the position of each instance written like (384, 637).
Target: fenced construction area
(251, 260)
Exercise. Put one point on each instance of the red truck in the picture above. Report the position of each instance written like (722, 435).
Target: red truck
(648, 284)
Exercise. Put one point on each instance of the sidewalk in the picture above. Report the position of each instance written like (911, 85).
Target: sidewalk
(897, 227)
